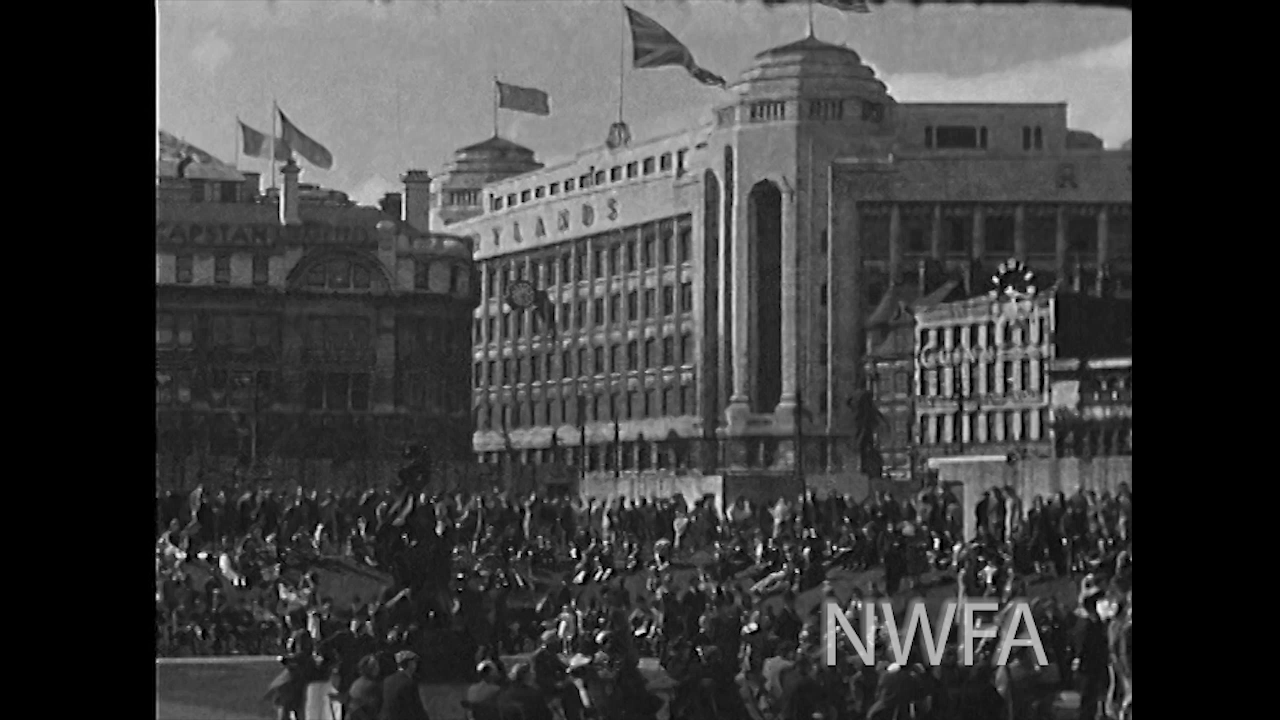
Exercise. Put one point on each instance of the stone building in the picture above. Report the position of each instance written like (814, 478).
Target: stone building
(300, 336)
(984, 369)
(709, 290)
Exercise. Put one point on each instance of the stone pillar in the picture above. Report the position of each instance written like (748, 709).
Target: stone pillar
(1020, 232)
(978, 247)
(844, 317)
(935, 244)
(895, 239)
(742, 316)
(1104, 248)
(790, 310)
(1060, 249)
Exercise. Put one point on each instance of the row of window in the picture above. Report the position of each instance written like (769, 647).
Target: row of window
(1009, 334)
(663, 243)
(998, 377)
(636, 405)
(640, 455)
(250, 390)
(1040, 231)
(462, 198)
(963, 137)
(532, 323)
(634, 169)
(214, 192)
(216, 331)
(184, 269)
(987, 427)
(587, 362)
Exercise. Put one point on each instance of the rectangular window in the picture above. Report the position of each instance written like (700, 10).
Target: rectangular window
(584, 181)
(566, 269)
(668, 301)
(633, 305)
(680, 156)
(613, 259)
(651, 352)
(686, 297)
(1026, 138)
(615, 358)
(597, 270)
(569, 185)
(582, 313)
(525, 195)
(1082, 236)
(633, 355)
(539, 191)
(582, 362)
(668, 257)
(668, 351)
(566, 365)
(823, 294)
(164, 329)
(631, 256)
(648, 166)
(553, 189)
(511, 200)
(183, 265)
(646, 253)
(633, 169)
(685, 237)
(957, 138)
(597, 311)
(600, 177)
(959, 234)
(615, 174)
(598, 360)
(222, 269)
(999, 231)
(1039, 139)
(928, 137)
(664, 162)
(615, 308)
(650, 303)
(686, 349)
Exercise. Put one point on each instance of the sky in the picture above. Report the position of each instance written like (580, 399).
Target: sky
(397, 84)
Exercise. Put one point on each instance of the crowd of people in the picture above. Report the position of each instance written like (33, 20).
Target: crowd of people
(582, 590)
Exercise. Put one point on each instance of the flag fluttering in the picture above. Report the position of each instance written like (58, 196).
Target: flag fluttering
(523, 99)
(299, 142)
(255, 144)
(171, 148)
(654, 46)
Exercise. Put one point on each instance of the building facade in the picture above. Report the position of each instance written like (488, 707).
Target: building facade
(985, 372)
(711, 288)
(300, 336)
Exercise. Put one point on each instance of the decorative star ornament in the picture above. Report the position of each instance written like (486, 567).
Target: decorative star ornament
(1013, 280)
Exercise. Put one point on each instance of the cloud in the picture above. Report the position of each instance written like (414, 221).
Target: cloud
(371, 190)
(1096, 84)
(211, 52)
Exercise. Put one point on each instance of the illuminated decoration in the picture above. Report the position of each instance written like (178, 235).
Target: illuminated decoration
(1013, 280)
(522, 295)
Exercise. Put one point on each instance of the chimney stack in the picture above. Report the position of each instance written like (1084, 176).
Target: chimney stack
(393, 205)
(417, 200)
(289, 194)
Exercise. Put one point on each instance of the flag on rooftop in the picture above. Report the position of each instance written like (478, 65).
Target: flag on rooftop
(654, 46)
(522, 99)
(314, 152)
(255, 144)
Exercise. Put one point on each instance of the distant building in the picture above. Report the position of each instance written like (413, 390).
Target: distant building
(301, 336)
(890, 369)
(985, 369)
(711, 289)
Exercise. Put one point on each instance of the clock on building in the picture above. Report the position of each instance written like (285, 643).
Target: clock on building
(1013, 280)
(521, 294)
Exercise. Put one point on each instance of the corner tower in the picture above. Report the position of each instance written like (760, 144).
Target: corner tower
(460, 192)
(785, 335)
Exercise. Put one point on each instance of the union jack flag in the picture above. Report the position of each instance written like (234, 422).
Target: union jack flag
(654, 46)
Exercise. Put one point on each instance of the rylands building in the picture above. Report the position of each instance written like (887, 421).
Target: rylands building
(300, 336)
(710, 289)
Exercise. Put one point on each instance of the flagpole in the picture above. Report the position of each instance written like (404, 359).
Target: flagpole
(271, 157)
(622, 58)
(809, 29)
(497, 100)
(237, 141)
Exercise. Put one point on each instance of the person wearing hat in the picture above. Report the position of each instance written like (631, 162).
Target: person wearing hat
(400, 698)
(1089, 651)
(364, 697)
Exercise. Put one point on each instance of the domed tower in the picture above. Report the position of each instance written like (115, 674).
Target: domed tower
(460, 192)
(798, 107)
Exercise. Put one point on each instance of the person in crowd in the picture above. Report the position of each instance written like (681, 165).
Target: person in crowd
(364, 697)
(400, 697)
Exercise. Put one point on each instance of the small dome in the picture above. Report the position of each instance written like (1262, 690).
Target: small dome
(495, 148)
(489, 160)
(810, 67)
